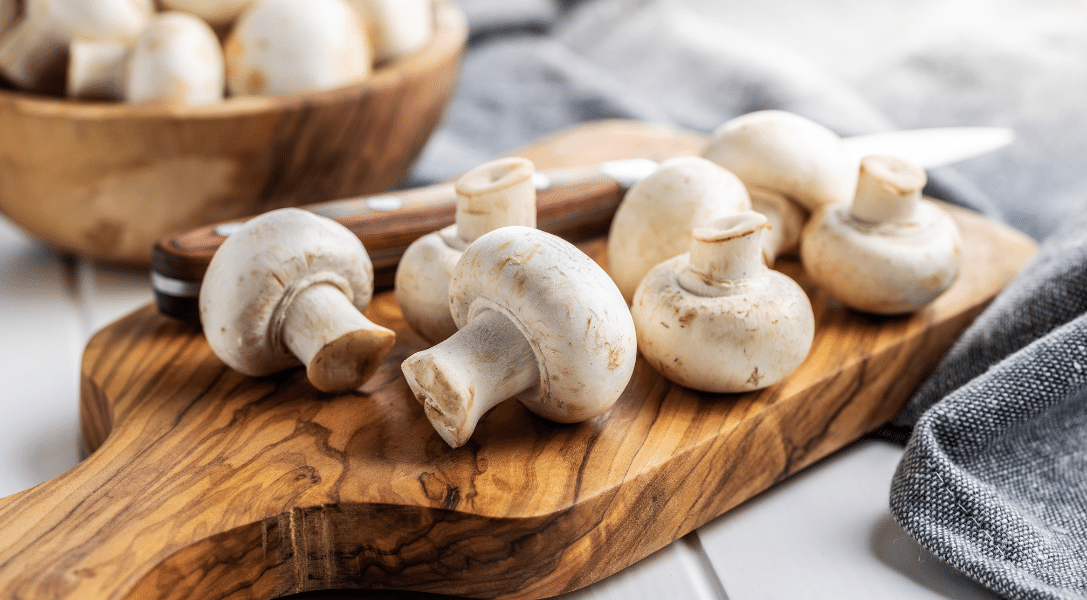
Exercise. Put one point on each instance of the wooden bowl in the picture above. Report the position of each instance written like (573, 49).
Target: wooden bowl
(107, 180)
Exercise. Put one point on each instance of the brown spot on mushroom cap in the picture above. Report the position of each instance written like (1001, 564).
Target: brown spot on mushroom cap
(616, 354)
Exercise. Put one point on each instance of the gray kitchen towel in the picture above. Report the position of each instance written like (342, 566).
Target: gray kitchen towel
(994, 478)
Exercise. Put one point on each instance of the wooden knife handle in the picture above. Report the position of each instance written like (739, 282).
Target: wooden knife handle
(574, 203)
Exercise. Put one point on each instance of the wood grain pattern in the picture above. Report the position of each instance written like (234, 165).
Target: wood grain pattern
(208, 484)
(107, 180)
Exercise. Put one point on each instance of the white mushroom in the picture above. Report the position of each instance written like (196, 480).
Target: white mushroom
(396, 27)
(289, 287)
(496, 194)
(176, 60)
(33, 54)
(890, 251)
(540, 321)
(782, 156)
(717, 319)
(654, 221)
(282, 47)
(217, 13)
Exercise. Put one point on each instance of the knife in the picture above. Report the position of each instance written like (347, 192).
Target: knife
(574, 203)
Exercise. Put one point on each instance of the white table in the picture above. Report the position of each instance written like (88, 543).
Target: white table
(826, 533)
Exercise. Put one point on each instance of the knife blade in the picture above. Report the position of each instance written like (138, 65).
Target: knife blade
(575, 203)
(934, 147)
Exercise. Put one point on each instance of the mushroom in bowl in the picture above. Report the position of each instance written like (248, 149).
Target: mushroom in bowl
(107, 180)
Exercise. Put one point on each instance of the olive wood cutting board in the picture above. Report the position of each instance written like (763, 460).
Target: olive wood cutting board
(205, 484)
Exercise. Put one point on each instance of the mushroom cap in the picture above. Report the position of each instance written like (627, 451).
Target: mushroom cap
(422, 284)
(396, 27)
(573, 316)
(282, 47)
(787, 153)
(259, 267)
(215, 12)
(888, 268)
(737, 343)
(9, 13)
(176, 60)
(654, 221)
(95, 19)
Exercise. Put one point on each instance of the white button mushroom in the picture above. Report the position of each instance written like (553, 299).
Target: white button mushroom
(176, 60)
(33, 54)
(496, 194)
(217, 13)
(282, 47)
(717, 319)
(289, 286)
(396, 27)
(654, 221)
(783, 156)
(540, 321)
(890, 251)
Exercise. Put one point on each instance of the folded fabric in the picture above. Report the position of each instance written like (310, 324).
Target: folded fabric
(994, 479)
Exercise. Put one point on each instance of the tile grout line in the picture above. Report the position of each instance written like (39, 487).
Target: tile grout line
(77, 280)
(76, 283)
(700, 567)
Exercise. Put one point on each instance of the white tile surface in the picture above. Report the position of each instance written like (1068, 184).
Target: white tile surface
(828, 534)
(41, 337)
(108, 293)
(680, 570)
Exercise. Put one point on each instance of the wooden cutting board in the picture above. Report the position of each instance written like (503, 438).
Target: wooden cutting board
(208, 484)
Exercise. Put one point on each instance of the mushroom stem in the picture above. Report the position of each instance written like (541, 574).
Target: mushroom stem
(97, 69)
(496, 194)
(340, 347)
(888, 190)
(459, 380)
(785, 221)
(729, 250)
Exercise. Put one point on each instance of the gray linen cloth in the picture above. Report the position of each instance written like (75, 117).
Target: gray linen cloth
(994, 477)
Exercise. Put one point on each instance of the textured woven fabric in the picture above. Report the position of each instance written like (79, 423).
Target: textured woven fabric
(994, 478)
